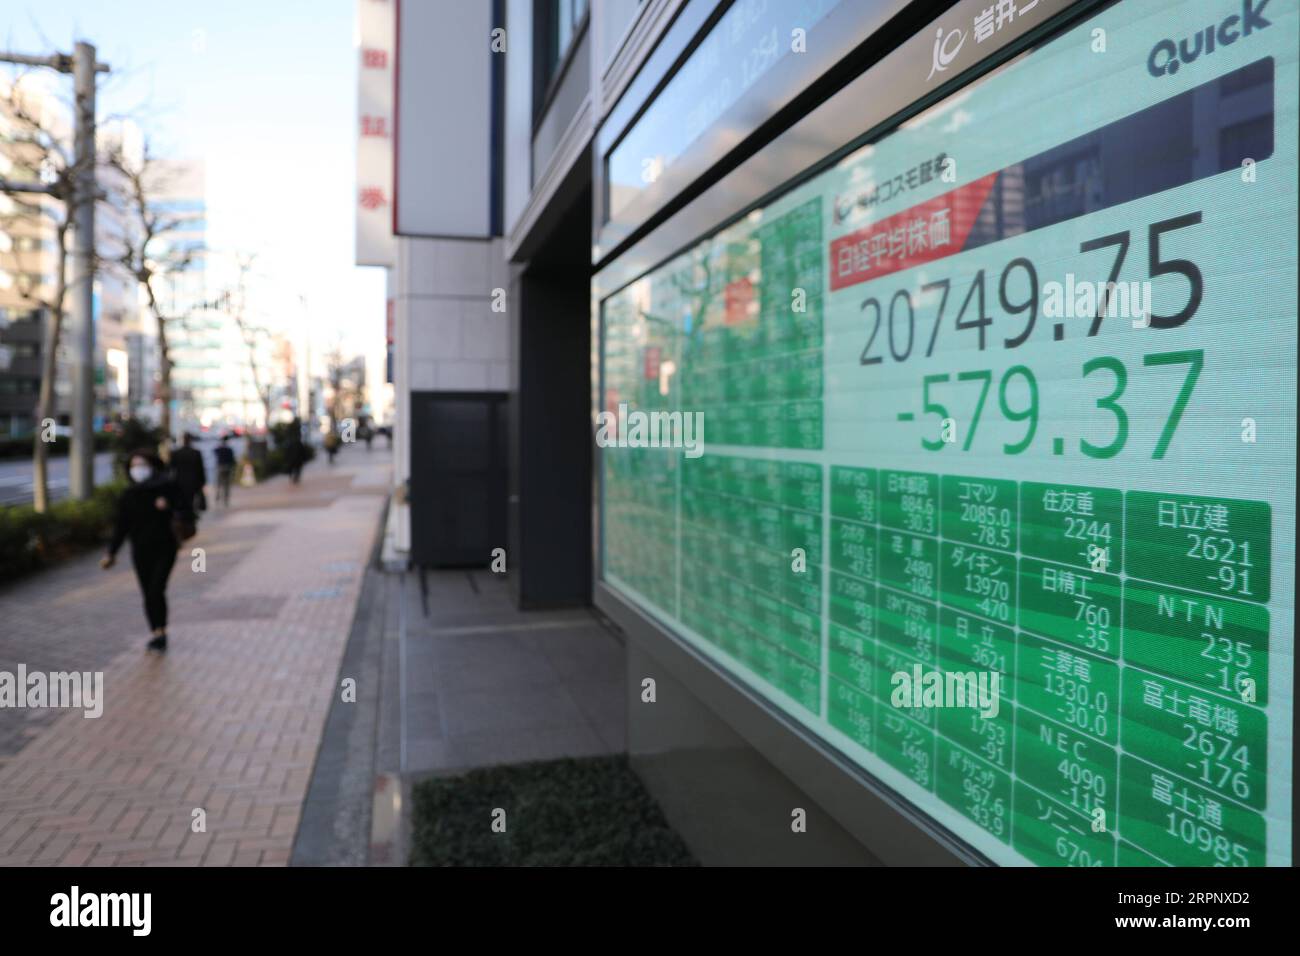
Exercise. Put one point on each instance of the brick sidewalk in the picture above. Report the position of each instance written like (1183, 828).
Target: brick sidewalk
(228, 721)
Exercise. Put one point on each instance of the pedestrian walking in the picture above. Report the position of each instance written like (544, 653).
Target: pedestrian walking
(156, 514)
(332, 442)
(225, 456)
(295, 453)
(191, 475)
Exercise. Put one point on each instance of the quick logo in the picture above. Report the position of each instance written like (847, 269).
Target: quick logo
(1166, 57)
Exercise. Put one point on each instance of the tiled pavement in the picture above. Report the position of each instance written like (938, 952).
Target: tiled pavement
(487, 684)
(228, 721)
(451, 675)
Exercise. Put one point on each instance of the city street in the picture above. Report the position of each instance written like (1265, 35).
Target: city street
(16, 474)
(228, 722)
(720, 433)
(16, 477)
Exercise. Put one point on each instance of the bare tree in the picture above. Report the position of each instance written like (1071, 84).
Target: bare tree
(237, 304)
(149, 251)
(40, 157)
(335, 367)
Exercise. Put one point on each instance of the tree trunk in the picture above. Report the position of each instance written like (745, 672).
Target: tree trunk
(165, 391)
(164, 371)
(49, 369)
(44, 411)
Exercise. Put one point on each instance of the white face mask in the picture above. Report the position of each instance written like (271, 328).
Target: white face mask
(140, 473)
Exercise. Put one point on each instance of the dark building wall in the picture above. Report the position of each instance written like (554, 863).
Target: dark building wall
(551, 436)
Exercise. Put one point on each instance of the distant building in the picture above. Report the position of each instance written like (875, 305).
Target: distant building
(142, 375)
(193, 329)
(29, 265)
(345, 389)
(27, 257)
(116, 298)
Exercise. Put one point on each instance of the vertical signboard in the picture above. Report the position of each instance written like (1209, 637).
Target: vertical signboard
(443, 163)
(374, 187)
(994, 489)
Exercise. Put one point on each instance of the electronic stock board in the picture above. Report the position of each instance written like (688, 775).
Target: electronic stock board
(1009, 390)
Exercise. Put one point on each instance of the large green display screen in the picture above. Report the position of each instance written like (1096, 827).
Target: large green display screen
(936, 441)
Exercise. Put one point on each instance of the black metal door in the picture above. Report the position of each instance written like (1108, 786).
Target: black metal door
(458, 477)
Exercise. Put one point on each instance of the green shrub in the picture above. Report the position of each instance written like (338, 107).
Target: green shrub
(276, 461)
(30, 541)
(588, 812)
(272, 464)
(281, 433)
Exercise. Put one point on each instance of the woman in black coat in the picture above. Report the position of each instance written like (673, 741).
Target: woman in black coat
(145, 515)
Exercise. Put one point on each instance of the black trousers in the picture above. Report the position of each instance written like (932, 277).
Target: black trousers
(225, 474)
(153, 566)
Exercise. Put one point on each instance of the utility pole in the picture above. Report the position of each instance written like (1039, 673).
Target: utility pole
(81, 460)
(83, 67)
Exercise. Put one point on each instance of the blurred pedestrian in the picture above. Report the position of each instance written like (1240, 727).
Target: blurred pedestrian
(156, 514)
(332, 442)
(225, 456)
(295, 452)
(191, 475)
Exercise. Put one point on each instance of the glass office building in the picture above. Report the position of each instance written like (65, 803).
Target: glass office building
(914, 385)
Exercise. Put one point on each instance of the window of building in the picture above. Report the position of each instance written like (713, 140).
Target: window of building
(19, 350)
(557, 27)
(19, 386)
